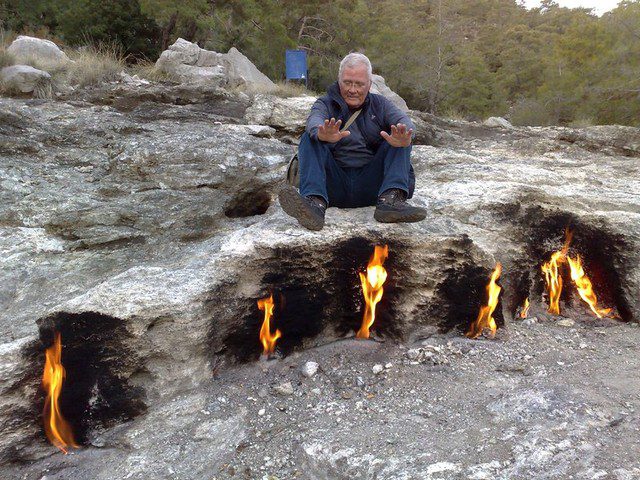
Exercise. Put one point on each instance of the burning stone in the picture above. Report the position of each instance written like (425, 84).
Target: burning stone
(553, 280)
(485, 324)
(268, 339)
(524, 310)
(583, 284)
(57, 429)
(372, 288)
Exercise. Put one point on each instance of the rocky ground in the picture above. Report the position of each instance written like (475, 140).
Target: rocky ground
(544, 401)
(141, 221)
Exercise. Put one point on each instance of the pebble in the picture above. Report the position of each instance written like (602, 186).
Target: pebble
(309, 369)
(261, 412)
(377, 368)
(565, 322)
(284, 389)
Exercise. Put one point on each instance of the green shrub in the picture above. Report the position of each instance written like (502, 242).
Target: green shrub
(530, 112)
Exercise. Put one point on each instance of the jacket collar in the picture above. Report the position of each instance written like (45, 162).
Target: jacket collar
(334, 93)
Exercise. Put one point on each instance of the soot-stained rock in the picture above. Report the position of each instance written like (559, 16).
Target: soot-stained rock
(149, 212)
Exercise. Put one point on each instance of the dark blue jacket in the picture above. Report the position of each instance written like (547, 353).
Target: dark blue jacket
(378, 113)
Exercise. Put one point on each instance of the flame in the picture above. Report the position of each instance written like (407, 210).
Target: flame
(372, 288)
(485, 316)
(524, 311)
(57, 429)
(552, 275)
(268, 340)
(584, 287)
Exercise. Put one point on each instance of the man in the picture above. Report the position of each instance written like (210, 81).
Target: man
(367, 163)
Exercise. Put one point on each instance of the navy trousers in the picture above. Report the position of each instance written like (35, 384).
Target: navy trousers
(320, 175)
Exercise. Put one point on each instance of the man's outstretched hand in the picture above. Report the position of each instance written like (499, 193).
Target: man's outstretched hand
(330, 131)
(400, 136)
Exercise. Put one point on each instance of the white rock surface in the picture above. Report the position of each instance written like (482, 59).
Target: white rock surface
(380, 86)
(309, 369)
(23, 78)
(497, 122)
(44, 53)
(192, 64)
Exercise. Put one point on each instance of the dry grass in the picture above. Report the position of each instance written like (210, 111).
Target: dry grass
(92, 65)
(6, 59)
(282, 90)
(289, 89)
(453, 114)
(582, 122)
(147, 69)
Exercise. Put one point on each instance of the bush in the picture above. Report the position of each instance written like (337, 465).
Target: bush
(530, 112)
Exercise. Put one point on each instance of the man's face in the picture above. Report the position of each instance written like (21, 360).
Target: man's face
(354, 85)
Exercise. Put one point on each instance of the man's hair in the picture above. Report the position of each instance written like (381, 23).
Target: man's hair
(353, 60)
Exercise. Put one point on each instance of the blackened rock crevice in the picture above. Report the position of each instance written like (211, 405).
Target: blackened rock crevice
(317, 293)
(98, 360)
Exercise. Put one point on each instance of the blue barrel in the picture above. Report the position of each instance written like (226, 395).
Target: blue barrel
(296, 65)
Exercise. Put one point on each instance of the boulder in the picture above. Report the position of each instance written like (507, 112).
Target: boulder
(380, 87)
(23, 78)
(285, 114)
(497, 122)
(189, 63)
(38, 52)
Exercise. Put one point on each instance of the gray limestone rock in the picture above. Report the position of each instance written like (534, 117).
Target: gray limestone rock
(284, 114)
(379, 86)
(497, 122)
(189, 63)
(23, 78)
(149, 232)
(37, 52)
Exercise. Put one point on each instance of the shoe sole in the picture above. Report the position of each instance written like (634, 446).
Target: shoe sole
(390, 216)
(295, 206)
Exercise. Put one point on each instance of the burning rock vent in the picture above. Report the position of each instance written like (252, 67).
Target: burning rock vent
(318, 294)
(603, 256)
(97, 392)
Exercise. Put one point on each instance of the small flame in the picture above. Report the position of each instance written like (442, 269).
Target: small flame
(584, 287)
(372, 288)
(485, 318)
(57, 429)
(268, 340)
(552, 275)
(524, 311)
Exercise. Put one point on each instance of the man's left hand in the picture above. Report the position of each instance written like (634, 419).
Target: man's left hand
(400, 136)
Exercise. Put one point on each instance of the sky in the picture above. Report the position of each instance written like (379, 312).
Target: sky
(599, 6)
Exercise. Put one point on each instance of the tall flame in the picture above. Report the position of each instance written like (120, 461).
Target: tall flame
(552, 274)
(524, 311)
(372, 288)
(485, 318)
(584, 287)
(268, 340)
(57, 429)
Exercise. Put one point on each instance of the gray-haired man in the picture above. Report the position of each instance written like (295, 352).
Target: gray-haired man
(366, 164)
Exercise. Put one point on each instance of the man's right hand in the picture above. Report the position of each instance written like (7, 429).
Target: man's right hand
(330, 131)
